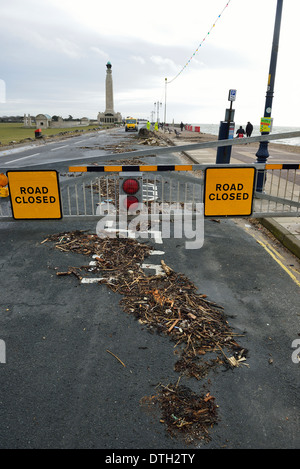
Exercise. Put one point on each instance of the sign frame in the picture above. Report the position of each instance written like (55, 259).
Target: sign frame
(266, 124)
(232, 95)
(219, 214)
(58, 194)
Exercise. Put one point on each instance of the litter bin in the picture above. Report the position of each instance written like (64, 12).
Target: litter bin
(38, 133)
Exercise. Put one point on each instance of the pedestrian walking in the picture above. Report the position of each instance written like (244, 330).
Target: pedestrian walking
(249, 129)
(148, 125)
(181, 126)
(240, 132)
(156, 126)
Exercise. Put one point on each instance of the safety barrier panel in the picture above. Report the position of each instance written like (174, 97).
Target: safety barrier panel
(192, 128)
(95, 192)
(281, 192)
(224, 190)
(280, 195)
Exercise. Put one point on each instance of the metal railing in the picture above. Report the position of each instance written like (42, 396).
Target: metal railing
(98, 186)
(281, 192)
(280, 196)
(98, 196)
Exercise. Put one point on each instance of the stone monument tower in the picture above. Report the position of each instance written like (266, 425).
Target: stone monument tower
(109, 115)
(109, 96)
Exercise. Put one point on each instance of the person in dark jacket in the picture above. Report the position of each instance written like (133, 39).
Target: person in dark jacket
(240, 132)
(249, 129)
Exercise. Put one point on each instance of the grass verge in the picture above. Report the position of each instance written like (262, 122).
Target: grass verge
(17, 133)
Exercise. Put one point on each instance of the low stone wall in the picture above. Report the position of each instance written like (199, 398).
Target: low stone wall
(67, 124)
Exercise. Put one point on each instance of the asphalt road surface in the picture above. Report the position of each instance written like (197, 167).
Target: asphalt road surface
(61, 389)
(59, 153)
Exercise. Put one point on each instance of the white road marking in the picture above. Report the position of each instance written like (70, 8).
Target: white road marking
(158, 268)
(58, 148)
(157, 236)
(11, 151)
(91, 280)
(23, 158)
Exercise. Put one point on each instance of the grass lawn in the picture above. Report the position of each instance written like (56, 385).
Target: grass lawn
(17, 133)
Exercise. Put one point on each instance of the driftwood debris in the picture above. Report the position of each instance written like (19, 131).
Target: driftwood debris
(184, 412)
(168, 304)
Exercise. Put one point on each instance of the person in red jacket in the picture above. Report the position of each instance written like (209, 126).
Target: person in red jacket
(240, 132)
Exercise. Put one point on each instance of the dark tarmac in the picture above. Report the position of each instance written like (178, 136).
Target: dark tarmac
(61, 389)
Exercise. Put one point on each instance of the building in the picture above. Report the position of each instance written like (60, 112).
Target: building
(27, 120)
(109, 116)
(43, 121)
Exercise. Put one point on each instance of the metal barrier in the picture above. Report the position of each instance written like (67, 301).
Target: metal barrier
(99, 195)
(280, 196)
(166, 185)
(85, 195)
(281, 192)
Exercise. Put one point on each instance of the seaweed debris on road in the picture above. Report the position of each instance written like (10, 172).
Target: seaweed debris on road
(184, 412)
(169, 304)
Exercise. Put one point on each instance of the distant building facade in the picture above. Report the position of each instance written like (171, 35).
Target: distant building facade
(27, 120)
(44, 121)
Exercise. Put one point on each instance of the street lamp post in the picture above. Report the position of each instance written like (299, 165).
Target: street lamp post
(263, 152)
(157, 110)
(165, 115)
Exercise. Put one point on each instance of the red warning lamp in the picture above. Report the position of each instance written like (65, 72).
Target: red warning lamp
(131, 186)
(131, 202)
(130, 192)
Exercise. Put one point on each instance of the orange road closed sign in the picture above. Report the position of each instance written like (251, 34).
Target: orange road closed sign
(34, 194)
(228, 191)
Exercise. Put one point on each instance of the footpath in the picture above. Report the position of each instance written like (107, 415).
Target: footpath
(285, 229)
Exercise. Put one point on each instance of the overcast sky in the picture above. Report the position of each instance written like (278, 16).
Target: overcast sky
(53, 57)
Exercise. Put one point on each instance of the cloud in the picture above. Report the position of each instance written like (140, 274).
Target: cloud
(55, 54)
(164, 64)
(67, 47)
(100, 52)
(138, 59)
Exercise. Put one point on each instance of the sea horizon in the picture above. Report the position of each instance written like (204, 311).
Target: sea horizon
(213, 129)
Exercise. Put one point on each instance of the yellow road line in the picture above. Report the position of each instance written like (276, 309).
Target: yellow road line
(273, 250)
(280, 263)
(274, 256)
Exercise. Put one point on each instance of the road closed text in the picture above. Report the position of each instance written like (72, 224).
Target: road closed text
(229, 192)
(35, 195)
